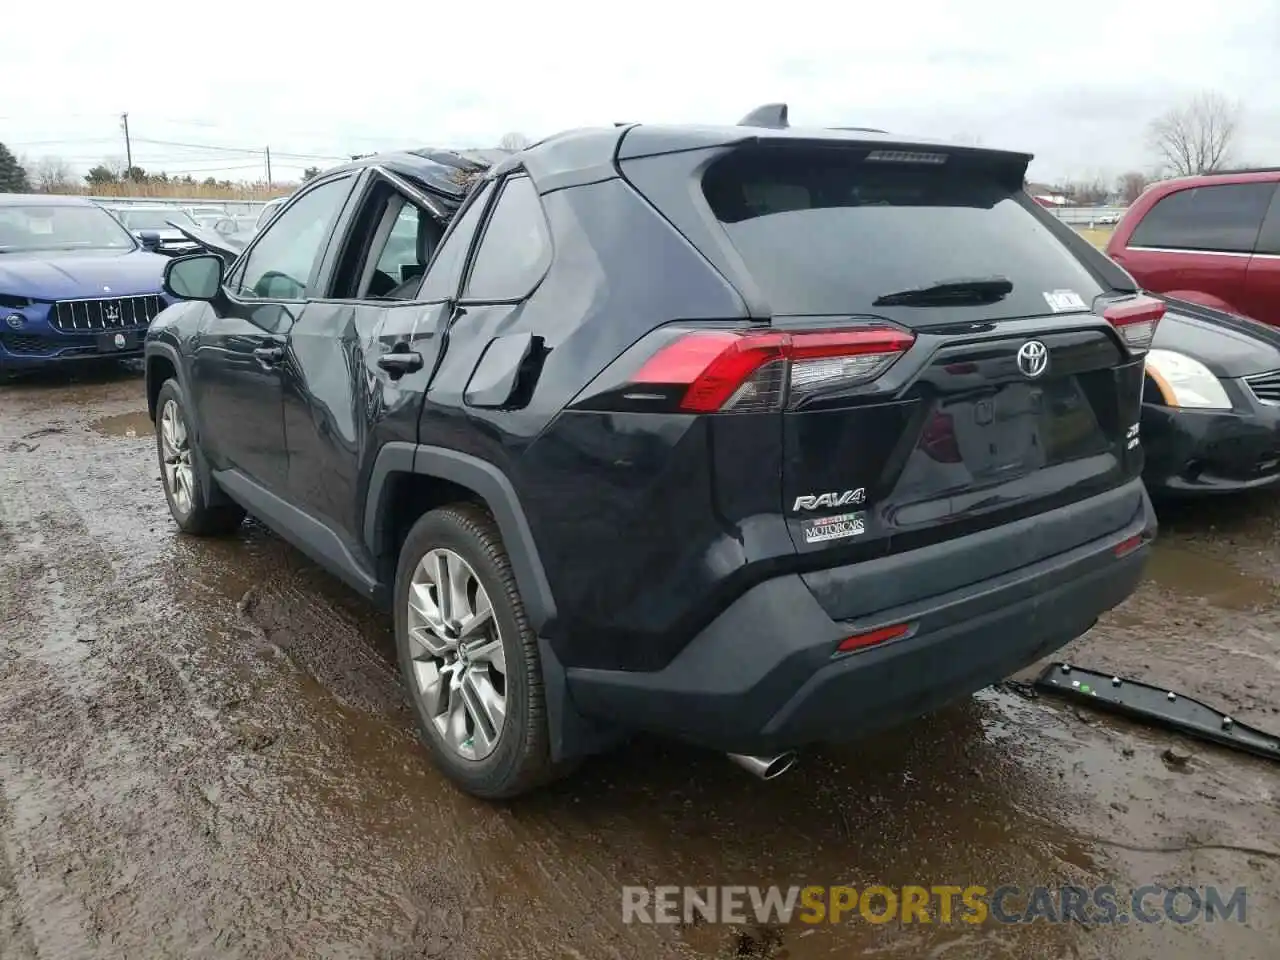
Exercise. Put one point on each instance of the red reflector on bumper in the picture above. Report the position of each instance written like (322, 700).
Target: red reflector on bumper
(1128, 545)
(869, 639)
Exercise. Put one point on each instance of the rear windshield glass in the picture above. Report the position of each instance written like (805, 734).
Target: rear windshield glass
(830, 232)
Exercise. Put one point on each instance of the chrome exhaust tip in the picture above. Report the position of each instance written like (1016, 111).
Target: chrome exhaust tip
(766, 768)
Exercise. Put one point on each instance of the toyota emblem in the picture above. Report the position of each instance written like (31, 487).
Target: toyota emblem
(1033, 359)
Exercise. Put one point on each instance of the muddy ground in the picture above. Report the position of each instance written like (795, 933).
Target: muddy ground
(204, 753)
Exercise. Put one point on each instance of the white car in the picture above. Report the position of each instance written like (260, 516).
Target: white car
(200, 211)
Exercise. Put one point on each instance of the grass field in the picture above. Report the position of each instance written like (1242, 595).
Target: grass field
(1098, 236)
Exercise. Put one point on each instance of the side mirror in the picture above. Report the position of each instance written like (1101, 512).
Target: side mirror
(150, 240)
(197, 277)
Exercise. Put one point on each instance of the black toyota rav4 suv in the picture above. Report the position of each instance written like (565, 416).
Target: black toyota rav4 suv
(752, 436)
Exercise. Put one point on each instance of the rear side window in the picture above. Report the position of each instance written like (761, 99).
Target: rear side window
(445, 271)
(1223, 218)
(515, 249)
(830, 232)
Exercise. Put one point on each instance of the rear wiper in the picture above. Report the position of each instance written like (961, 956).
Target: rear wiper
(970, 290)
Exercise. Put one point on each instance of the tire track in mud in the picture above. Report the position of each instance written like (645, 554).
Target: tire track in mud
(16, 942)
(73, 751)
(125, 802)
(143, 790)
(228, 770)
(174, 788)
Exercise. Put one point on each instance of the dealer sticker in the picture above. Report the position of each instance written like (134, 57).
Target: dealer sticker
(834, 528)
(1061, 301)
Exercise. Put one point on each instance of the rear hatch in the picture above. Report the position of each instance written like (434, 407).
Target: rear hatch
(950, 359)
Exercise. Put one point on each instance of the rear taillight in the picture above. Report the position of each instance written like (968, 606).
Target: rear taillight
(722, 370)
(1136, 320)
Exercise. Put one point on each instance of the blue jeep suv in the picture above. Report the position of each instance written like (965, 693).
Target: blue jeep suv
(74, 283)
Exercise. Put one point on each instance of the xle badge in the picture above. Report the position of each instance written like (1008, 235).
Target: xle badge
(834, 528)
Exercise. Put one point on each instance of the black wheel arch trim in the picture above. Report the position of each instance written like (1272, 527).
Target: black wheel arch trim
(174, 356)
(489, 483)
(572, 734)
(170, 353)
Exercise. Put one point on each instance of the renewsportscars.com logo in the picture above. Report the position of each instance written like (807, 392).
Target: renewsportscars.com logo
(938, 903)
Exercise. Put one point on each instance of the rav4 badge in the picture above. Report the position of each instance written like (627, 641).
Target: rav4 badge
(817, 501)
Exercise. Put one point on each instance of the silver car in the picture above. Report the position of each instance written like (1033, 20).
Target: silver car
(159, 220)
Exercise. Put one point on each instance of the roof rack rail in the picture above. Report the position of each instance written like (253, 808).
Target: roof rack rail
(771, 115)
(861, 129)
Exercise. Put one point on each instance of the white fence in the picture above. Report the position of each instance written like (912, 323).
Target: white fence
(1083, 216)
(232, 207)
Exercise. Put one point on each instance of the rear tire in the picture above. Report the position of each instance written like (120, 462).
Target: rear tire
(176, 450)
(468, 657)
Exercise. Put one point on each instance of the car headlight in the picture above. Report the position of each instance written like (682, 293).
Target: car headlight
(1186, 382)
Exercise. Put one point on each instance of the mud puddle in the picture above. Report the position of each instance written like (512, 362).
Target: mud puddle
(1194, 574)
(129, 425)
(205, 752)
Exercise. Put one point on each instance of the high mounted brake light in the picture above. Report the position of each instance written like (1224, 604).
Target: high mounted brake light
(905, 156)
(1136, 319)
(723, 370)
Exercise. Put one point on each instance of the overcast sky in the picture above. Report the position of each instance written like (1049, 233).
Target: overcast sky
(1075, 83)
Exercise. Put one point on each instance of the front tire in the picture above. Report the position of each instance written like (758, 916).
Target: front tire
(468, 656)
(188, 499)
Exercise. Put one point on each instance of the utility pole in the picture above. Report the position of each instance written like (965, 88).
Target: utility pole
(268, 166)
(128, 147)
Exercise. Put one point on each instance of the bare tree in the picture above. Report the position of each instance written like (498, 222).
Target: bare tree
(1130, 185)
(1086, 193)
(1197, 137)
(52, 174)
(513, 141)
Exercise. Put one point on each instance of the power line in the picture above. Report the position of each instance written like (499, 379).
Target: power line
(301, 131)
(200, 146)
(246, 150)
(56, 143)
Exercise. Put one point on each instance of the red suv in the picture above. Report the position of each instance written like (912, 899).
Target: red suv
(1213, 240)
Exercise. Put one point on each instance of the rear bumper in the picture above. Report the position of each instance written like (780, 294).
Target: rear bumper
(764, 677)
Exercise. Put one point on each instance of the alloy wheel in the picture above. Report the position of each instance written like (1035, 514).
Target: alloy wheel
(460, 670)
(176, 456)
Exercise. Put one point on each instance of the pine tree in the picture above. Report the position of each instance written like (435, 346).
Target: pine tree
(13, 179)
